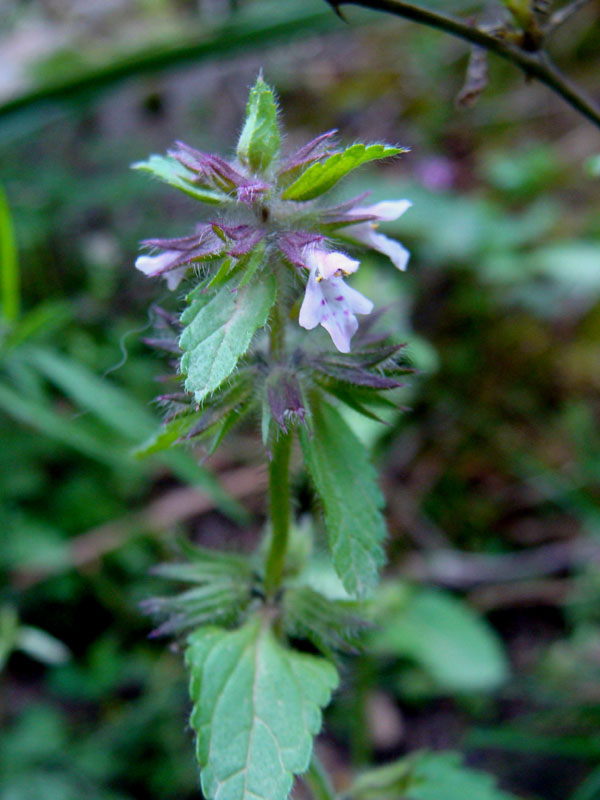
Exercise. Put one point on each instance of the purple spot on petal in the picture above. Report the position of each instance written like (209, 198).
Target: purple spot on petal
(340, 298)
(322, 302)
(325, 318)
(346, 313)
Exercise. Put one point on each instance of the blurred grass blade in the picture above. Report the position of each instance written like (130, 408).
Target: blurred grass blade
(44, 319)
(261, 25)
(10, 301)
(110, 404)
(590, 788)
(45, 420)
(128, 417)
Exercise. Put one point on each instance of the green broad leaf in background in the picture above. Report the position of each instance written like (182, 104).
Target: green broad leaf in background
(346, 482)
(427, 776)
(260, 139)
(219, 327)
(457, 649)
(257, 706)
(169, 170)
(322, 176)
(592, 166)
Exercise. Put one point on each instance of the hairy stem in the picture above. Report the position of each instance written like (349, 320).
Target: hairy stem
(280, 510)
(537, 65)
(277, 330)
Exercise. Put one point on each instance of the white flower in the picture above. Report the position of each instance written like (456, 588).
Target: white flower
(156, 265)
(328, 301)
(366, 232)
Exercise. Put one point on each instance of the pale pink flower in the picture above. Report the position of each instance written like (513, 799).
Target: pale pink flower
(158, 265)
(328, 301)
(366, 232)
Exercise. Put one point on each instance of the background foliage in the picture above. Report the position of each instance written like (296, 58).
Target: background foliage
(488, 639)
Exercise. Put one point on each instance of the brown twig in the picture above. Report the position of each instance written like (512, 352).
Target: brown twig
(534, 64)
(459, 570)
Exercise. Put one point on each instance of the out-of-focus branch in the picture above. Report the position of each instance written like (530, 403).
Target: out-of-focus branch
(534, 64)
(563, 15)
(238, 35)
(458, 570)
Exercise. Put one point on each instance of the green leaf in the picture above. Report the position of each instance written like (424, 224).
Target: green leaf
(10, 277)
(455, 646)
(329, 624)
(590, 788)
(260, 139)
(192, 422)
(41, 646)
(592, 166)
(320, 177)
(347, 485)
(221, 593)
(9, 632)
(427, 776)
(167, 435)
(169, 170)
(219, 328)
(256, 709)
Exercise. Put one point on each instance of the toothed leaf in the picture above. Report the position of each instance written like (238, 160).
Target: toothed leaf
(260, 139)
(219, 327)
(346, 483)
(329, 624)
(257, 706)
(320, 177)
(169, 170)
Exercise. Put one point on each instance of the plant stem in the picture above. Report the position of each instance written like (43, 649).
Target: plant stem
(277, 329)
(318, 780)
(537, 65)
(280, 509)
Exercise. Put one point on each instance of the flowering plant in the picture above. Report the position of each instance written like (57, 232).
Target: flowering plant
(268, 262)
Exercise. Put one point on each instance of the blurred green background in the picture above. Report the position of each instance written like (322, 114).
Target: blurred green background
(490, 641)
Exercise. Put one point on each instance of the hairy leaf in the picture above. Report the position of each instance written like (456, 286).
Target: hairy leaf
(329, 624)
(222, 590)
(358, 398)
(171, 171)
(167, 435)
(219, 327)
(260, 140)
(346, 483)
(256, 709)
(320, 177)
